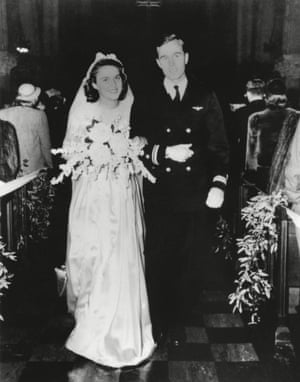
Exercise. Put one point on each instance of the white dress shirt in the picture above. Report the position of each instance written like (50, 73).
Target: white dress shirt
(169, 86)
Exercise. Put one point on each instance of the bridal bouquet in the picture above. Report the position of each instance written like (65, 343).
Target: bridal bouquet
(101, 147)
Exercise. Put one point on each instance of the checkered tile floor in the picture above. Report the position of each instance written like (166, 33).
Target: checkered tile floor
(218, 349)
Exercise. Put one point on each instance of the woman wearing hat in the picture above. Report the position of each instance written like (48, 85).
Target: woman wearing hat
(32, 129)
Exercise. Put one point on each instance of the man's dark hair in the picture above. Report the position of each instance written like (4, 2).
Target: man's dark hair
(168, 37)
(276, 93)
(276, 86)
(256, 86)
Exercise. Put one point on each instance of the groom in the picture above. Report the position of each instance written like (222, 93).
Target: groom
(188, 153)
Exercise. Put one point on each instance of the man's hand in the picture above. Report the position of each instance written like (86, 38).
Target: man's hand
(215, 198)
(179, 153)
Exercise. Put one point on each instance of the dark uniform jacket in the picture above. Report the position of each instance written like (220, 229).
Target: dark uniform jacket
(197, 119)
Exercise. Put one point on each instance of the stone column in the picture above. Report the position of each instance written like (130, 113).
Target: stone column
(244, 30)
(289, 64)
(291, 38)
(3, 26)
(7, 59)
(50, 27)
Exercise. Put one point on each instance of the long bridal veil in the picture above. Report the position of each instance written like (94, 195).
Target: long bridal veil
(80, 108)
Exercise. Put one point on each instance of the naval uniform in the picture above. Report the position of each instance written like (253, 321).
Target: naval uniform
(178, 222)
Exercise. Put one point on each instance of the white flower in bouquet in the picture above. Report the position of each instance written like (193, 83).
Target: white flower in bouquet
(100, 133)
(100, 155)
(119, 145)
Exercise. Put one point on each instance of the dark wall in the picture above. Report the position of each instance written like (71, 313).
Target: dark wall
(208, 27)
(228, 40)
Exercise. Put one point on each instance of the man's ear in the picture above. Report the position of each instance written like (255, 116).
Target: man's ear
(158, 63)
(186, 58)
(94, 85)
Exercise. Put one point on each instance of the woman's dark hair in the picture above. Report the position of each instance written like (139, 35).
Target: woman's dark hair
(92, 94)
(276, 93)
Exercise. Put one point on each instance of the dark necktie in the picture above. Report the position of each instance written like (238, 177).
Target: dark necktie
(177, 94)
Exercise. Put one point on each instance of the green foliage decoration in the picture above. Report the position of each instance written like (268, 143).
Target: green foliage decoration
(260, 240)
(5, 275)
(223, 241)
(39, 199)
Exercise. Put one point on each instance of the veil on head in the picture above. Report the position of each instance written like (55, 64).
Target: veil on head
(80, 104)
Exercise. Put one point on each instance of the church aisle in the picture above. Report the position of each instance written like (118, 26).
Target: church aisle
(219, 348)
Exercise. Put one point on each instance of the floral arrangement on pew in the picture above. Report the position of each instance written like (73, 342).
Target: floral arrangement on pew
(5, 275)
(101, 148)
(38, 199)
(223, 241)
(253, 287)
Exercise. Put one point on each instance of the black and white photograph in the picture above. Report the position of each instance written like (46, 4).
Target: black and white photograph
(149, 190)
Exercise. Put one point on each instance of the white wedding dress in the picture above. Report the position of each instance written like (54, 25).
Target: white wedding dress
(106, 288)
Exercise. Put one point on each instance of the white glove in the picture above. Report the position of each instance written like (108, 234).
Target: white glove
(179, 153)
(139, 142)
(215, 198)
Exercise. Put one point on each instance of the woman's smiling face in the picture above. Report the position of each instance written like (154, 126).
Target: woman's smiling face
(108, 83)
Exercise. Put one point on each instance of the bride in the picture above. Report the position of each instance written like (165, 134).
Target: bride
(106, 289)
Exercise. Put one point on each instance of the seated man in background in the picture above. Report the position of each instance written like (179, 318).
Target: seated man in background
(32, 129)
